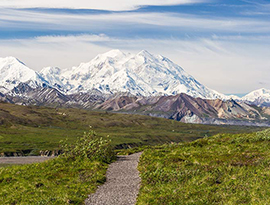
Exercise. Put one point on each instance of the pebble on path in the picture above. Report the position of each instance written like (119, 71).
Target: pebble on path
(122, 183)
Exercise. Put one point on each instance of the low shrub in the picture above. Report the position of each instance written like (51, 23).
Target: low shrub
(90, 146)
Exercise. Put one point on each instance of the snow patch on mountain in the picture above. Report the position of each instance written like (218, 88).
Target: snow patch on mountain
(258, 97)
(54, 78)
(13, 72)
(141, 74)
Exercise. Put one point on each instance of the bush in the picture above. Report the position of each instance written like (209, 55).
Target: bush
(90, 146)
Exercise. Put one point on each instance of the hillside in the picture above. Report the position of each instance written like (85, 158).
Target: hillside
(29, 129)
(185, 108)
(224, 169)
(181, 107)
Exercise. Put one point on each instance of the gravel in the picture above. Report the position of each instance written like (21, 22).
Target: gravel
(122, 184)
(23, 160)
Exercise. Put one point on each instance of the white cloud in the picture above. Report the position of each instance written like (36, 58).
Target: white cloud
(223, 65)
(10, 18)
(261, 38)
(115, 5)
(71, 38)
(59, 51)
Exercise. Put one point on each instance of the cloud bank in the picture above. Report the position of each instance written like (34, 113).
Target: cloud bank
(32, 20)
(218, 62)
(113, 5)
(224, 44)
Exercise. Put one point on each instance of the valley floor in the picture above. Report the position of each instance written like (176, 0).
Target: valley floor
(223, 169)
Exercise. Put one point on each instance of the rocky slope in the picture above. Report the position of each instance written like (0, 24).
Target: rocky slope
(185, 108)
(181, 107)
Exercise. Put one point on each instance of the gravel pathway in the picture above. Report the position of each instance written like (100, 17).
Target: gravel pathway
(23, 160)
(122, 184)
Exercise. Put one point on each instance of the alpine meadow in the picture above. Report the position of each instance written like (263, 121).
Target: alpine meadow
(124, 102)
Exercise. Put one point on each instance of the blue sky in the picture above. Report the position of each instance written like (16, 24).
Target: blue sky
(224, 44)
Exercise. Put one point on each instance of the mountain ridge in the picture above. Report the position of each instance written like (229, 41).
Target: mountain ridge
(142, 74)
(180, 107)
(114, 72)
(260, 97)
(13, 72)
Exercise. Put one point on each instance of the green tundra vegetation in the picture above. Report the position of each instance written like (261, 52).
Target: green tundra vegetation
(223, 169)
(29, 129)
(197, 164)
(67, 179)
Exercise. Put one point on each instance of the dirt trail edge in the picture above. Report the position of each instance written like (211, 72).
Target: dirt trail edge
(23, 160)
(122, 184)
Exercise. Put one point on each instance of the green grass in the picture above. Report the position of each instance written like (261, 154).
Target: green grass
(5, 165)
(224, 169)
(67, 179)
(29, 129)
(56, 181)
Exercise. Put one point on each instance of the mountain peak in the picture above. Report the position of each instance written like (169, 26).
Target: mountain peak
(114, 53)
(263, 90)
(10, 60)
(50, 70)
(13, 72)
(144, 53)
(259, 92)
(259, 97)
(142, 74)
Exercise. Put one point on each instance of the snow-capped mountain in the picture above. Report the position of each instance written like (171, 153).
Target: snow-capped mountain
(143, 83)
(13, 72)
(53, 77)
(259, 97)
(141, 74)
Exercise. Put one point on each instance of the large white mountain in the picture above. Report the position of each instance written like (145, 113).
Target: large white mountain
(141, 74)
(258, 97)
(13, 72)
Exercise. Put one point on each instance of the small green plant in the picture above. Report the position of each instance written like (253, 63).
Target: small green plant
(90, 146)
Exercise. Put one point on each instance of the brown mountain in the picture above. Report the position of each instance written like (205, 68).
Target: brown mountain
(181, 107)
(184, 108)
